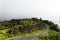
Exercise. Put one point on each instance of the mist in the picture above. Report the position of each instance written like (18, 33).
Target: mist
(16, 9)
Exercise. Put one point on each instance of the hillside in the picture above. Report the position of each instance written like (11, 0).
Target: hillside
(20, 27)
(23, 27)
(53, 33)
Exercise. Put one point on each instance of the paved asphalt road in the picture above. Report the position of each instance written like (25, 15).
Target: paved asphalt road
(33, 36)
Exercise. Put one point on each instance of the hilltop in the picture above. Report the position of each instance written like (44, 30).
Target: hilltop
(23, 27)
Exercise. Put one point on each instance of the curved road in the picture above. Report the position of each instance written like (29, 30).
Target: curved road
(33, 36)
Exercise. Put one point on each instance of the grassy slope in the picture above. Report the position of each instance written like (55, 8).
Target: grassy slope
(51, 35)
(4, 35)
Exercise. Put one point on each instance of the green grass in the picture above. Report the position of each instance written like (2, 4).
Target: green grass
(26, 33)
(4, 35)
(51, 35)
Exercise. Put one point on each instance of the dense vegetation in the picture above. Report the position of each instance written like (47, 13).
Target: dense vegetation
(20, 27)
(52, 25)
(53, 34)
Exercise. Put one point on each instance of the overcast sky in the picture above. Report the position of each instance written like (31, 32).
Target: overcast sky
(46, 9)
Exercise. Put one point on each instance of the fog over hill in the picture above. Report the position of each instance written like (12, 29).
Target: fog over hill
(45, 9)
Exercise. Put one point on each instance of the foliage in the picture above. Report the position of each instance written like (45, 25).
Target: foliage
(51, 35)
(20, 27)
(52, 25)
